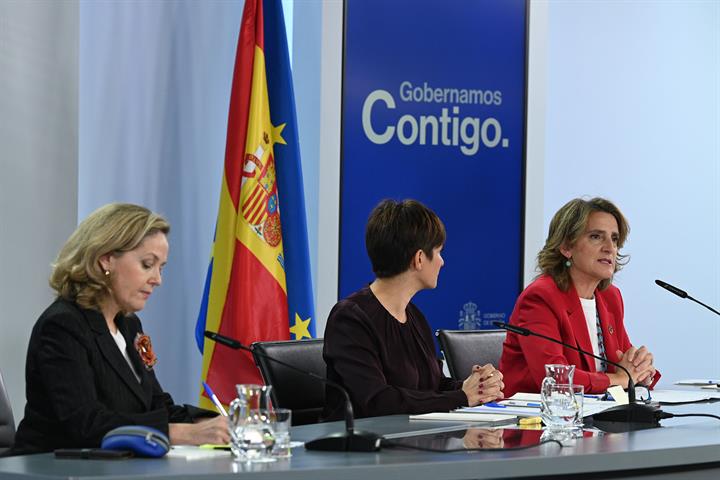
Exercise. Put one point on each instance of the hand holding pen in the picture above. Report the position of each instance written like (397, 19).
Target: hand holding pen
(215, 400)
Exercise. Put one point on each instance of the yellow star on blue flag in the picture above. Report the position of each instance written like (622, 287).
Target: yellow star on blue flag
(301, 329)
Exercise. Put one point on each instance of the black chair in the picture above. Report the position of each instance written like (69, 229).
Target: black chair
(7, 424)
(464, 348)
(304, 395)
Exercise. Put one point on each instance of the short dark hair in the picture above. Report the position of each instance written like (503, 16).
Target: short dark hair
(396, 231)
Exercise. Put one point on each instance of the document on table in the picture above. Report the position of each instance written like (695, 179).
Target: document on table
(496, 408)
(461, 416)
(191, 452)
(528, 405)
(669, 397)
(699, 382)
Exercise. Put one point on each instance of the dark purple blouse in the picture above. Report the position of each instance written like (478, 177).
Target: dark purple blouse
(386, 366)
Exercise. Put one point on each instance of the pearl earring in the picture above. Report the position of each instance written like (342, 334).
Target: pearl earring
(568, 263)
(107, 273)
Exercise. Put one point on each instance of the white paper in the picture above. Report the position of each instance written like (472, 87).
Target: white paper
(591, 405)
(190, 452)
(682, 396)
(620, 395)
(535, 398)
(698, 382)
(527, 397)
(517, 411)
(464, 417)
(591, 408)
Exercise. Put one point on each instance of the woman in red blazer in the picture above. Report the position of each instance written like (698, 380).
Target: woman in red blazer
(573, 300)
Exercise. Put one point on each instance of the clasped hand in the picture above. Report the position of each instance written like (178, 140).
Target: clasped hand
(639, 362)
(483, 385)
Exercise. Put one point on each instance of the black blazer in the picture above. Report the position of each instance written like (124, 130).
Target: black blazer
(79, 386)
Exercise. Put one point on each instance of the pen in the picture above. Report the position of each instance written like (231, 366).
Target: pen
(493, 405)
(516, 403)
(214, 399)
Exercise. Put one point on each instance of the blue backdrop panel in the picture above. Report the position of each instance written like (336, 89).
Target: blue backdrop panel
(434, 109)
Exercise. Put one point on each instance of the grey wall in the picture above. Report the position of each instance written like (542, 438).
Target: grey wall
(38, 166)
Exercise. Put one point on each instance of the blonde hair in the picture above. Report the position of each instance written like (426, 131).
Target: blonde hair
(566, 227)
(114, 228)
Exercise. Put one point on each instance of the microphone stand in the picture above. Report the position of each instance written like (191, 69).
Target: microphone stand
(350, 440)
(683, 294)
(635, 416)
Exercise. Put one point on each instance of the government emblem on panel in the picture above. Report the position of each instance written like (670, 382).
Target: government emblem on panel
(469, 317)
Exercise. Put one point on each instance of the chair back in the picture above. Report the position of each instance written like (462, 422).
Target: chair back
(464, 348)
(302, 394)
(7, 424)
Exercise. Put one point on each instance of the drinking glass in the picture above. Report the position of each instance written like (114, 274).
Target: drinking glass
(281, 421)
(579, 392)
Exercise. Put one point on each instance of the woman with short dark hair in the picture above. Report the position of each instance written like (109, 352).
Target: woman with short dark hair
(378, 345)
(573, 300)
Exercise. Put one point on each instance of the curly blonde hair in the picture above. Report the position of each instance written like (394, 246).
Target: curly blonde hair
(113, 228)
(566, 227)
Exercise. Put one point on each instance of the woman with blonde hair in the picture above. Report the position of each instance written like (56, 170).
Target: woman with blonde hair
(89, 364)
(573, 300)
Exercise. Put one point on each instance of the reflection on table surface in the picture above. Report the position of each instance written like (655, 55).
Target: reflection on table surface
(487, 438)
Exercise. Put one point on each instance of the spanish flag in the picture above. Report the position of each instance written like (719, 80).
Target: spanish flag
(258, 285)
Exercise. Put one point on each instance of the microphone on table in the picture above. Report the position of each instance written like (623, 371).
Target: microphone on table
(350, 440)
(632, 413)
(683, 294)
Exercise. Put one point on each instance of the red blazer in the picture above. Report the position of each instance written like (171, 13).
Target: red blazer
(543, 308)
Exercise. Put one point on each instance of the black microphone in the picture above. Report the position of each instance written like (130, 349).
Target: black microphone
(632, 413)
(683, 294)
(350, 440)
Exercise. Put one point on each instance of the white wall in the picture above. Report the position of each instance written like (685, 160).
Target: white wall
(633, 114)
(38, 161)
(329, 161)
(155, 82)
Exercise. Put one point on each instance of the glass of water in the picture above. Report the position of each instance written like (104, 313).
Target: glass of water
(559, 406)
(579, 392)
(281, 421)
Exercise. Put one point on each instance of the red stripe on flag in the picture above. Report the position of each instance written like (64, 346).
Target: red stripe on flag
(259, 212)
(252, 199)
(251, 34)
(249, 209)
(257, 206)
(248, 318)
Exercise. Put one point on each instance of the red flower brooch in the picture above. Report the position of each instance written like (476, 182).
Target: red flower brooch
(143, 345)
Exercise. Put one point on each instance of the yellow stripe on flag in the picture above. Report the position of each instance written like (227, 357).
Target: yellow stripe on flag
(260, 132)
(223, 253)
